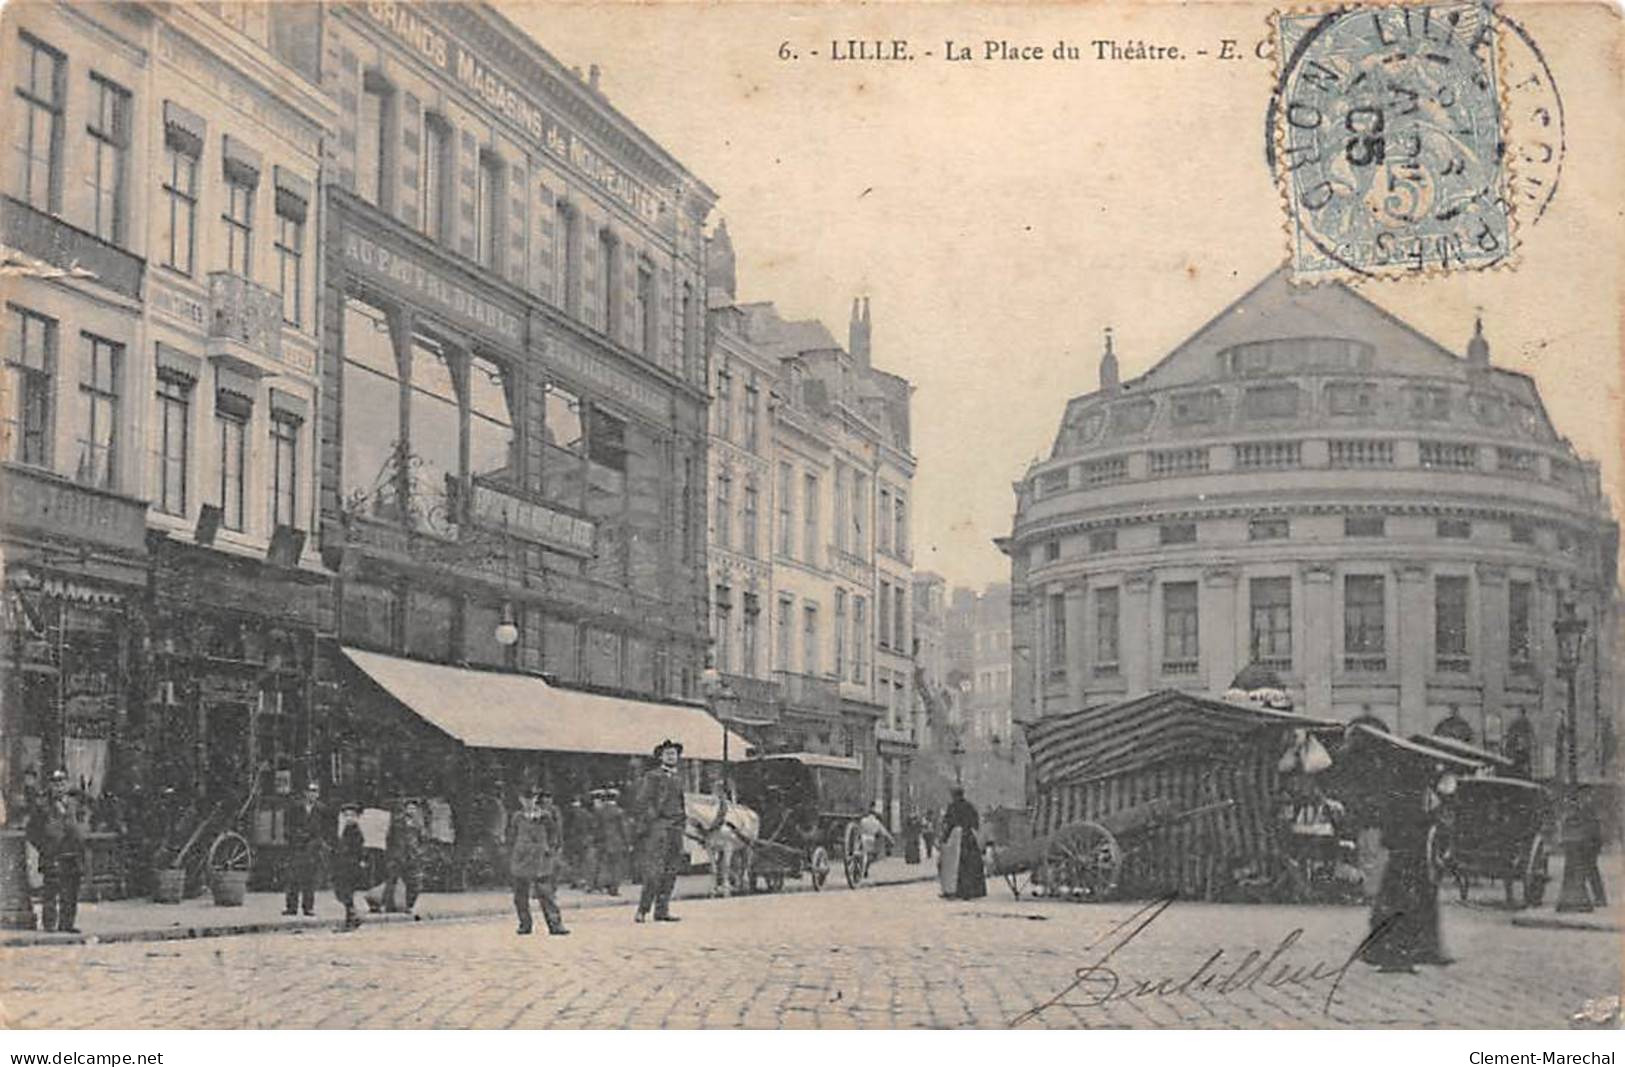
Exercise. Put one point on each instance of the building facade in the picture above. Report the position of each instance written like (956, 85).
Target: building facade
(1309, 484)
(159, 395)
(514, 425)
(811, 478)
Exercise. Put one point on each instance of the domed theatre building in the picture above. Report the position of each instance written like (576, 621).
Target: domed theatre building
(1310, 485)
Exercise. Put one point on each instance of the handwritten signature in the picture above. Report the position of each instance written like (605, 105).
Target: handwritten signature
(1094, 984)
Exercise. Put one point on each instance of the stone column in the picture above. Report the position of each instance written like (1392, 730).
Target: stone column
(1413, 649)
(1077, 654)
(1136, 652)
(1221, 644)
(1490, 657)
(1313, 663)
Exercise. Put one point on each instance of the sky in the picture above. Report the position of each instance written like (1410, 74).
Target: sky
(999, 214)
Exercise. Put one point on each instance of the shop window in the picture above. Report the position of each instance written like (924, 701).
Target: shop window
(30, 369)
(435, 427)
(604, 658)
(370, 410)
(562, 475)
(490, 424)
(99, 369)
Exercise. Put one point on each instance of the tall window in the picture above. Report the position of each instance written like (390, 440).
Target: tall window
(180, 191)
(860, 514)
(809, 519)
(372, 142)
(690, 326)
(1450, 623)
(432, 189)
(434, 426)
(99, 405)
(1518, 614)
(284, 470)
(860, 639)
(1057, 632)
(753, 625)
(1365, 638)
(109, 130)
(1180, 618)
(883, 615)
(290, 258)
(1271, 612)
(608, 262)
(725, 608)
(1106, 638)
(30, 367)
(809, 638)
(753, 407)
(567, 256)
(785, 545)
(786, 627)
(39, 135)
(724, 515)
(842, 504)
(840, 633)
(644, 319)
(490, 423)
(748, 533)
(488, 211)
(231, 432)
(173, 441)
(239, 220)
(900, 535)
(899, 637)
(883, 520)
(725, 404)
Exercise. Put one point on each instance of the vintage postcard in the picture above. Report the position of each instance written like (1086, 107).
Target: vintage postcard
(811, 516)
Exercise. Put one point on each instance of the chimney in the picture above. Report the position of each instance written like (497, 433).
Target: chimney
(1108, 367)
(858, 332)
(592, 77)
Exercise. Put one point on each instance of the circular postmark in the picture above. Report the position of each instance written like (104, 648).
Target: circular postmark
(1388, 131)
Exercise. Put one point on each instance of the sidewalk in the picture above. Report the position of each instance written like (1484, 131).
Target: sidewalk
(142, 920)
(1608, 920)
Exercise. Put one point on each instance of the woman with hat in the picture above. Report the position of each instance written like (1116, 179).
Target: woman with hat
(661, 816)
(960, 822)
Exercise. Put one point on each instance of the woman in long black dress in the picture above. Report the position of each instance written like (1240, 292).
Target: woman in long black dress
(1405, 913)
(961, 815)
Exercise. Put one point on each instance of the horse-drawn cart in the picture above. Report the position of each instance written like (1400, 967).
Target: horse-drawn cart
(1084, 860)
(809, 806)
(1171, 792)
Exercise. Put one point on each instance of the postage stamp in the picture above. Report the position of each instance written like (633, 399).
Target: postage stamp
(1388, 140)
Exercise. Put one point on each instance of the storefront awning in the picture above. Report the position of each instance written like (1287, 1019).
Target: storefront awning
(485, 709)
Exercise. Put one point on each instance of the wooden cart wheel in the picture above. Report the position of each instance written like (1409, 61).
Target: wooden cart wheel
(230, 852)
(1083, 863)
(852, 858)
(818, 867)
(1535, 873)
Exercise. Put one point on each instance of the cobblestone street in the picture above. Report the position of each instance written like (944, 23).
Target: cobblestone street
(879, 957)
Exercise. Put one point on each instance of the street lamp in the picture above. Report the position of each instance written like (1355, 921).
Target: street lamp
(507, 631)
(1578, 864)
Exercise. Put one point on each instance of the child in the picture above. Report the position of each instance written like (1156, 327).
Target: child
(347, 873)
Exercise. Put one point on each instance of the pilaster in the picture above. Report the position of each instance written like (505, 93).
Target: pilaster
(1220, 641)
(1413, 649)
(1136, 628)
(1313, 662)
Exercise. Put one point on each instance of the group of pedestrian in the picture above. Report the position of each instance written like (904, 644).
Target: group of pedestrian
(597, 846)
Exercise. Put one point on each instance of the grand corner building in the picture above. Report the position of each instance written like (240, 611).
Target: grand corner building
(514, 416)
(1309, 484)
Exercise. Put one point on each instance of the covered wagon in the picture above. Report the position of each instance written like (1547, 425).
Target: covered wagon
(1170, 792)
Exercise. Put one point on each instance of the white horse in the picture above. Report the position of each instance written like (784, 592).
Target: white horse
(726, 830)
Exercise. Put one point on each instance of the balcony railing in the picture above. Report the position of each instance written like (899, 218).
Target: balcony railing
(805, 692)
(75, 251)
(245, 313)
(747, 699)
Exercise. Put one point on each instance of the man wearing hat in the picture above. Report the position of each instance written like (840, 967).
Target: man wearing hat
(660, 839)
(308, 829)
(534, 845)
(348, 860)
(54, 830)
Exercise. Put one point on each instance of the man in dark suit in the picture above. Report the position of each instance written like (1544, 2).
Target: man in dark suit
(54, 829)
(308, 828)
(660, 838)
